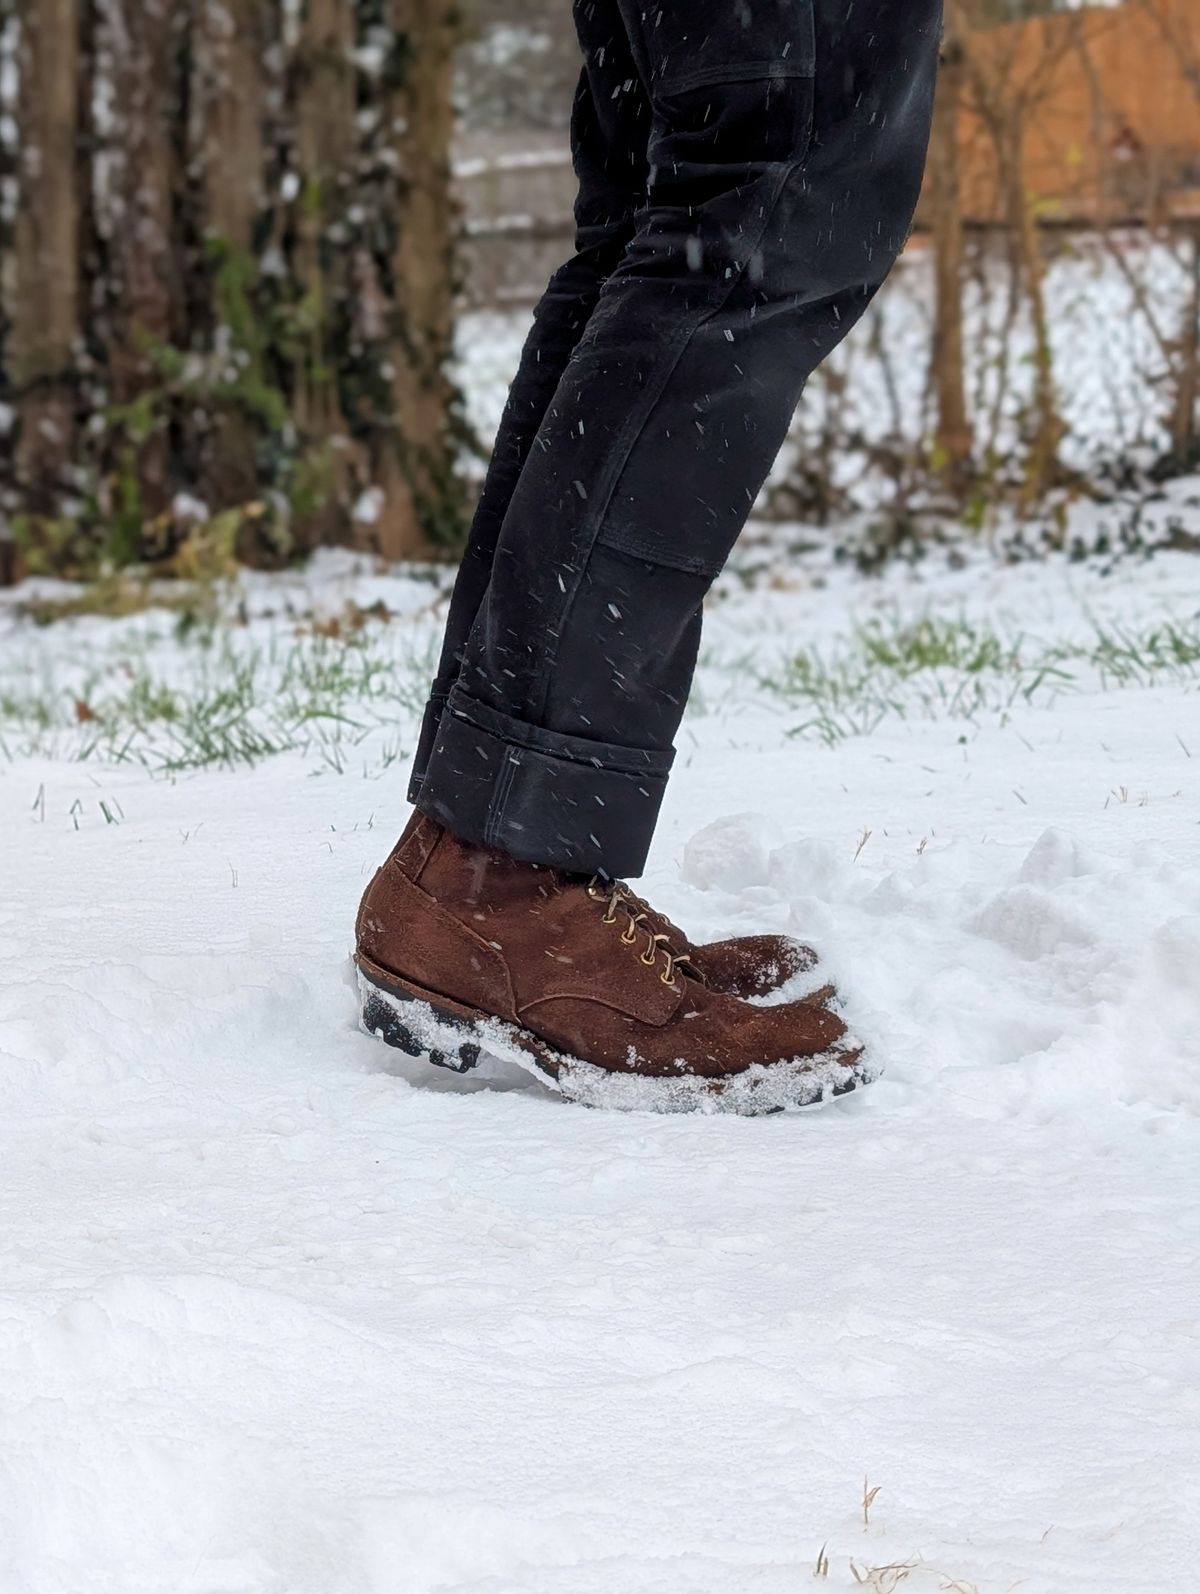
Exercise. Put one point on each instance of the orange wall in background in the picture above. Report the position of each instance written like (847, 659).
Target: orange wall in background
(1112, 128)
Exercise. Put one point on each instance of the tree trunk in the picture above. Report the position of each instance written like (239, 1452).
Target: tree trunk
(955, 439)
(1042, 463)
(228, 142)
(1005, 108)
(326, 136)
(1006, 117)
(45, 307)
(421, 491)
(136, 181)
(230, 43)
(1187, 386)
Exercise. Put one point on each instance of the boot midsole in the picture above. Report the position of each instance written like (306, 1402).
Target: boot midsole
(439, 1026)
(456, 1024)
(450, 1035)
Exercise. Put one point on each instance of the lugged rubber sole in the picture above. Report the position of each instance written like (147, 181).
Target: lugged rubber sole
(423, 1024)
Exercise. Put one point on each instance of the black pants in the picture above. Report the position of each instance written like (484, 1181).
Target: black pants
(748, 170)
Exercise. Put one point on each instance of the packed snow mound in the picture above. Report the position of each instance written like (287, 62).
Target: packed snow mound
(734, 852)
(1087, 980)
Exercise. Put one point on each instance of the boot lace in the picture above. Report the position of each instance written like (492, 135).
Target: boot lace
(618, 899)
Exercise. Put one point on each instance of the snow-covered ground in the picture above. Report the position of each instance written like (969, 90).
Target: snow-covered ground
(283, 1313)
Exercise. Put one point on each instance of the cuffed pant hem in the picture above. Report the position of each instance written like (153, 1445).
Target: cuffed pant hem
(563, 801)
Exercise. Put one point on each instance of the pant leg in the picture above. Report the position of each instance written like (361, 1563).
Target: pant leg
(786, 148)
(610, 123)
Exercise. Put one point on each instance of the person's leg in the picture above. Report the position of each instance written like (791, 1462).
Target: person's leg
(609, 131)
(610, 124)
(785, 153)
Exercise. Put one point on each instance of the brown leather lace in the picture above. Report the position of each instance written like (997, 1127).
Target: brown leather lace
(618, 899)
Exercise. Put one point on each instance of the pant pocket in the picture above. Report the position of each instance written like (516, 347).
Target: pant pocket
(731, 99)
(688, 43)
(718, 136)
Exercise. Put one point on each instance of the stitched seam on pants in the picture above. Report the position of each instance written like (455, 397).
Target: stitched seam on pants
(635, 421)
(510, 762)
(619, 454)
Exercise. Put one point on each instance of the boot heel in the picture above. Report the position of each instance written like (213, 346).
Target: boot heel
(417, 1025)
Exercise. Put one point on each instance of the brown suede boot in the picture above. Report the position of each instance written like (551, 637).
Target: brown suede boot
(462, 950)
